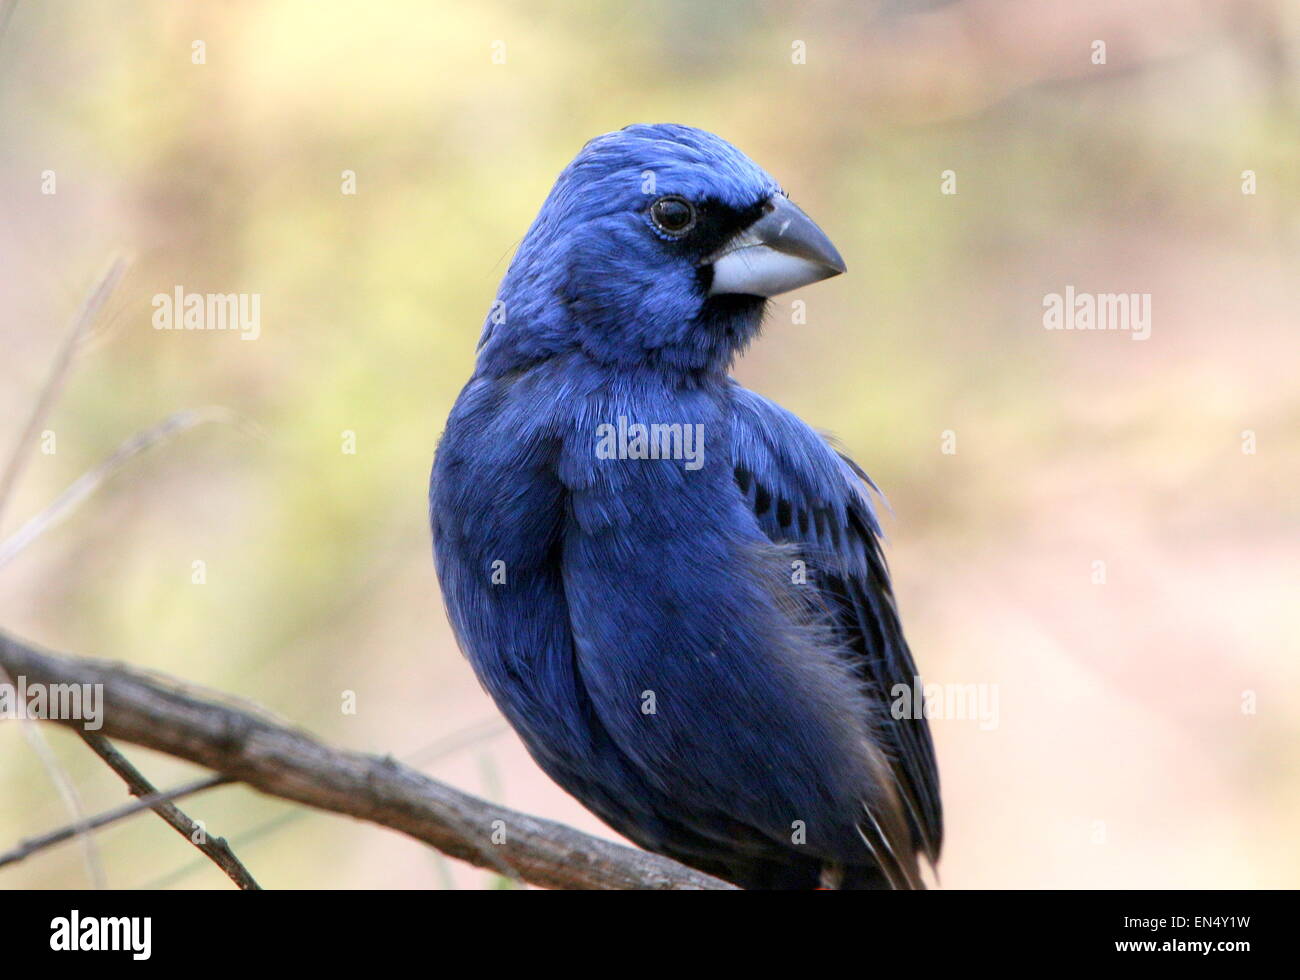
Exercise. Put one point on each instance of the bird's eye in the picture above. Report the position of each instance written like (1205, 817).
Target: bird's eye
(673, 215)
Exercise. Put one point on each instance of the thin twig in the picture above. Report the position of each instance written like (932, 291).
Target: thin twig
(90, 481)
(29, 847)
(215, 848)
(292, 765)
(85, 318)
(67, 792)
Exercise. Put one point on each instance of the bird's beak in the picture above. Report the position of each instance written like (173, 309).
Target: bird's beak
(781, 251)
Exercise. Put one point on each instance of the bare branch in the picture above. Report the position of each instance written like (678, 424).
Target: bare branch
(29, 847)
(215, 848)
(90, 481)
(80, 826)
(295, 766)
(84, 320)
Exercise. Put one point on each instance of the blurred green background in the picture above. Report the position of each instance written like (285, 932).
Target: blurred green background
(1122, 756)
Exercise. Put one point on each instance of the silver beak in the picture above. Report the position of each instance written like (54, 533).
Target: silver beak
(781, 251)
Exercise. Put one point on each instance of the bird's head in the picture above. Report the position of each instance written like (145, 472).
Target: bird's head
(657, 245)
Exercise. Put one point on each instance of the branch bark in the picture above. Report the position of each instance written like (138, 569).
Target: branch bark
(158, 714)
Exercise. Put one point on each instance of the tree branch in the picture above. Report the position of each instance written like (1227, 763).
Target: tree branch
(27, 848)
(292, 765)
(215, 848)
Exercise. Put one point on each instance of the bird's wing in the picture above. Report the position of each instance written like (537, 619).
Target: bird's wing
(805, 494)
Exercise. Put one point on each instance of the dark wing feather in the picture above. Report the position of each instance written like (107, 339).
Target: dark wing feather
(806, 495)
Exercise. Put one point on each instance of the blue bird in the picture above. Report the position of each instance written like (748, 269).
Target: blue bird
(672, 587)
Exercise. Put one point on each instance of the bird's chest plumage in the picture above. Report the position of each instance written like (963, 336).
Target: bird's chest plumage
(577, 529)
(651, 531)
(533, 465)
(642, 463)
